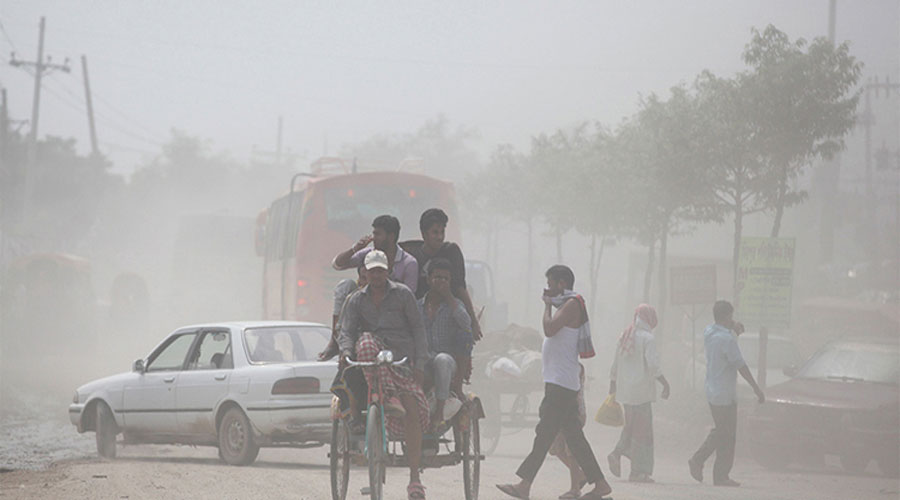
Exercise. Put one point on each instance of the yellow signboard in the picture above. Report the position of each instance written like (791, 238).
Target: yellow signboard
(765, 281)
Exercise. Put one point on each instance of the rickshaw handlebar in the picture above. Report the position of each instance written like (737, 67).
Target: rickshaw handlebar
(350, 362)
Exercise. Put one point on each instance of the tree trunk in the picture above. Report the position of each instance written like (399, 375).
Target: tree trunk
(594, 267)
(779, 207)
(736, 252)
(663, 291)
(648, 275)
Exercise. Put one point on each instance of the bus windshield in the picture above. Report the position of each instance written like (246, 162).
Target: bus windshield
(350, 211)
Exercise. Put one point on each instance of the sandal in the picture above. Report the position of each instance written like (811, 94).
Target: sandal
(415, 491)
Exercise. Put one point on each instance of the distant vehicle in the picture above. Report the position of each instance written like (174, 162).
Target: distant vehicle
(51, 297)
(844, 401)
(328, 212)
(781, 353)
(237, 386)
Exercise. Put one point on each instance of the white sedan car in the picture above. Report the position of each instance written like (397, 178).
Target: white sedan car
(237, 386)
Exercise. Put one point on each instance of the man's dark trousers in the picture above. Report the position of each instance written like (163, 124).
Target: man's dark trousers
(559, 412)
(720, 440)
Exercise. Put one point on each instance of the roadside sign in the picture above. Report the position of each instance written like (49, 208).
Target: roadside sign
(765, 281)
(693, 285)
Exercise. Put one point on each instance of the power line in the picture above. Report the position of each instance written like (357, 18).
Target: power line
(8, 39)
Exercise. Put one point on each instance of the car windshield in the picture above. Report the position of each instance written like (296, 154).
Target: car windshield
(868, 363)
(779, 353)
(285, 344)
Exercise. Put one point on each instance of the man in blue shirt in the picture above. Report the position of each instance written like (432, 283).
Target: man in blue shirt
(723, 362)
(448, 329)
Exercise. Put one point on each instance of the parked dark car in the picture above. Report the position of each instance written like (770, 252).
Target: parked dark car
(844, 401)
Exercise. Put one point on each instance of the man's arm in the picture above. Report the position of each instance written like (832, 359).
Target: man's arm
(349, 324)
(745, 372)
(568, 314)
(410, 276)
(460, 315)
(614, 372)
(665, 383)
(458, 284)
(345, 260)
(462, 293)
(416, 329)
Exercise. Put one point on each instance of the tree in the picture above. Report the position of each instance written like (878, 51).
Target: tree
(667, 182)
(802, 104)
(68, 190)
(442, 151)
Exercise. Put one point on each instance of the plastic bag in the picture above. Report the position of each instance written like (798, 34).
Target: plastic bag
(610, 412)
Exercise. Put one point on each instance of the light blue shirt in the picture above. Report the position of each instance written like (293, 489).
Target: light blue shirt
(723, 360)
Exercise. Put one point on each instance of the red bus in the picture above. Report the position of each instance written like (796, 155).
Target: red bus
(300, 232)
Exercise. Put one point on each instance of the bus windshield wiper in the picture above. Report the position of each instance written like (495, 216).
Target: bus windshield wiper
(845, 378)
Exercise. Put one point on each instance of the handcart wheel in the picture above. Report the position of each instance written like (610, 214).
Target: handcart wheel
(492, 422)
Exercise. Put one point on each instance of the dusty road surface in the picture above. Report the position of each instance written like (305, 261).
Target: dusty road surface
(43, 457)
(154, 472)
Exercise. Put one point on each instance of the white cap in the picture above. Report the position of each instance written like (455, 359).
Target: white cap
(376, 258)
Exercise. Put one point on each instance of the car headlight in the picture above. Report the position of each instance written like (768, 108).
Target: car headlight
(75, 398)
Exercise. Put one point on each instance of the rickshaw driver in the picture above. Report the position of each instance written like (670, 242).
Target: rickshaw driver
(384, 315)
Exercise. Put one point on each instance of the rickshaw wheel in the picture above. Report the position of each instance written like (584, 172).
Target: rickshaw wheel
(375, 452)
(471, 448)
(339, 459)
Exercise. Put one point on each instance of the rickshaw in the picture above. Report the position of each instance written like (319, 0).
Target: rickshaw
(377, 450)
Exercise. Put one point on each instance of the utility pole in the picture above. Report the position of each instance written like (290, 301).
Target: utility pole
(4, 129)
(40, 66)
(90, 106)
(831, 172)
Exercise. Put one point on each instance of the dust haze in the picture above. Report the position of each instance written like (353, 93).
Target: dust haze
(537, 113)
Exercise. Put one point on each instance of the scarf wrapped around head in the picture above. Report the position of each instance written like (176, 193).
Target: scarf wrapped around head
(644, 317)
(585, 344)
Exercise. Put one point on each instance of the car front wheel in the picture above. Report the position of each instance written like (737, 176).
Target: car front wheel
(105, 431)
(236, 445)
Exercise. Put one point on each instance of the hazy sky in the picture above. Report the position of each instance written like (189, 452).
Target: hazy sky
(225, 70)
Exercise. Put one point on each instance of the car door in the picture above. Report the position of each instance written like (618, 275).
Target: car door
(203, 383)
(148, 402)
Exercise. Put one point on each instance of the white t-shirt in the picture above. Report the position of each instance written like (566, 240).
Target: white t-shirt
(635, 373)
(559, 355)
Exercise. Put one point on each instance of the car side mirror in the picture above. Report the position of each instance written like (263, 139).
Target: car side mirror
(138, 366)
(789, 371)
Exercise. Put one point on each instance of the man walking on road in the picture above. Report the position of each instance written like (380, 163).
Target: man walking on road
(723, 362)
(564, 341)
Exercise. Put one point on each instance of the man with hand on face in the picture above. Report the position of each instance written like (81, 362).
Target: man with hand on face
(723, 362)
(433, 225)
(402, 267)
(449, 339)
(564, 342)
(384, 315)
